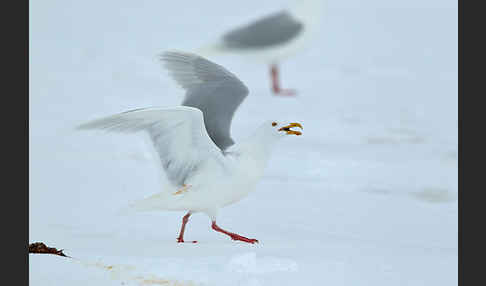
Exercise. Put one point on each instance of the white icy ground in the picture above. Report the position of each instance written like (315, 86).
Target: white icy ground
(367, 196)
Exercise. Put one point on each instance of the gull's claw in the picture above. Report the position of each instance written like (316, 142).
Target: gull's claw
(180, 240)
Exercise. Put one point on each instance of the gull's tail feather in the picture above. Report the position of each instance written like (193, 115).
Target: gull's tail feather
(158, 202)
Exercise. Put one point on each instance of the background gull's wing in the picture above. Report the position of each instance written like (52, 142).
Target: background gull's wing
(210, 88)
(178, 135)
(272, 30)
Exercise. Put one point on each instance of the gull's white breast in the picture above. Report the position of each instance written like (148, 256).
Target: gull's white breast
(217, 184)
(246, 171)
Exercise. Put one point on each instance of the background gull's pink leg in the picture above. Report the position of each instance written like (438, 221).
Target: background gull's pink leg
(276, 83)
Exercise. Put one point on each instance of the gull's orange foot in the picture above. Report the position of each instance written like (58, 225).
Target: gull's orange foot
(285, 92)
(180, 240)
(235, 236)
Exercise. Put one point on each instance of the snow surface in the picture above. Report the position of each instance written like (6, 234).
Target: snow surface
(367, 196)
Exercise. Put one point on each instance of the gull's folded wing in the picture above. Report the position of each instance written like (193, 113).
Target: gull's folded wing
(178, 134)
(210, 88)
(272, 30)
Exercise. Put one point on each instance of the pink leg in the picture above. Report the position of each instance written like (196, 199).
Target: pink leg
(276, 83)
(185, 219)
(233, 236)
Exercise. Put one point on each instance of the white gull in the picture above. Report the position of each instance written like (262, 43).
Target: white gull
(272, 38)
(206, 169)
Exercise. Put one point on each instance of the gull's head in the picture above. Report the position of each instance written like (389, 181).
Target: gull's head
(279, 128)
(272, 131)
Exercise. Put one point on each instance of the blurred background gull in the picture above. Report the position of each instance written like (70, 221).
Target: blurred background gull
(272, 38)
(368, 195)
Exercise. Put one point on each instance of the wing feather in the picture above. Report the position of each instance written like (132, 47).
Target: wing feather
(210, 88)
(178, 135)
(274, 29)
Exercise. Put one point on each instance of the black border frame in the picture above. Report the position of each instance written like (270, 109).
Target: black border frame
(15, 138)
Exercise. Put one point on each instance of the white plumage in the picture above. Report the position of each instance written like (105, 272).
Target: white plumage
(273, 38)
(204, 177)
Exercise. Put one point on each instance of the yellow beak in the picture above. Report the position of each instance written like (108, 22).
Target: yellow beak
(289, 131)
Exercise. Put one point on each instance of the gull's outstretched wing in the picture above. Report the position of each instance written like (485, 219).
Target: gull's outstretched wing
(178, 134)
(210, 88)
(272, 30)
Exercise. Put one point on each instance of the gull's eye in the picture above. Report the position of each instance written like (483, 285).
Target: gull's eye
(274, 123)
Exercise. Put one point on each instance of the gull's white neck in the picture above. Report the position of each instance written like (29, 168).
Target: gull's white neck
(258, 146)
(247, 160)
